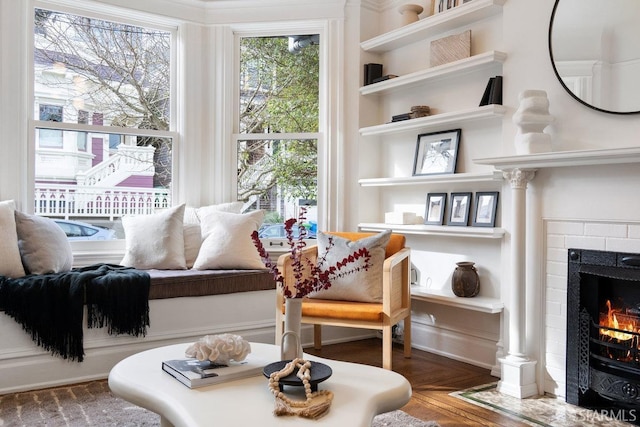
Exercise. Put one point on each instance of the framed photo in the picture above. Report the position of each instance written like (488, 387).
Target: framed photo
(484, 212)
(459, 206)
(436, 152)
(436, 203)
(444, 5)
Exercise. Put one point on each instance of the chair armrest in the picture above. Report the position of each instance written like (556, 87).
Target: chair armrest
(396, 282)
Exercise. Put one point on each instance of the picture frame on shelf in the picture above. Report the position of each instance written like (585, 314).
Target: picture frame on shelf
(485, 208)
(459, 208)
(436, 152)
(436, 205)
(444, 5)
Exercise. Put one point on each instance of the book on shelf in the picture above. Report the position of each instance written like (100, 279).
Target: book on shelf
(400, 117)
(492, 92)
(495, 97)
(195, 373)
(372, 71)
(383, 78)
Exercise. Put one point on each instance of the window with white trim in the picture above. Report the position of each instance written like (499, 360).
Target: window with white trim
(102, 96)
(278, 127)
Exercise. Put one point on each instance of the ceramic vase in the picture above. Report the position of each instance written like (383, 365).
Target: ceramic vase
(410, 13)
(465, 281)
(291, 345)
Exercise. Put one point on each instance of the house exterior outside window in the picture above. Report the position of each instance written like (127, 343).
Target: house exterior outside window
(103, 138)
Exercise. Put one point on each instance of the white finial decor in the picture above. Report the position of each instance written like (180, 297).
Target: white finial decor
(531, 118)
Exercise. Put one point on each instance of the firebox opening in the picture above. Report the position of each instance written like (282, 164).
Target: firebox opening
(603, 332)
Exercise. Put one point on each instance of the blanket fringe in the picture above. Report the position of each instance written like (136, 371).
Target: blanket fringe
(50, 306)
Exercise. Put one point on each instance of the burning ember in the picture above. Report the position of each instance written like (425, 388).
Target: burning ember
(619, 332)
(613, 327)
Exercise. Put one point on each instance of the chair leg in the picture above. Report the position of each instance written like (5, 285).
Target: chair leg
(407, 337)
(317, 337)
(387, 347)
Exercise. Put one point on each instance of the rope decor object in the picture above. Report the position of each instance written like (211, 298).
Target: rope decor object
(316, 404)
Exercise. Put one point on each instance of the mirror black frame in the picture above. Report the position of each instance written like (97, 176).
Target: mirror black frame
(569, 91)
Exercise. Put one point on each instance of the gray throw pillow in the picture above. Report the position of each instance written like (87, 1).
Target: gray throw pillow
(44, 247)
(10, 263)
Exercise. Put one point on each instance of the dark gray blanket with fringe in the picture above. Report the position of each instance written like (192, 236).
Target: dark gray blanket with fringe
(50, 306)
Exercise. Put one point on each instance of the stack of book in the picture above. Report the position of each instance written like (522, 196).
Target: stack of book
(195, 373)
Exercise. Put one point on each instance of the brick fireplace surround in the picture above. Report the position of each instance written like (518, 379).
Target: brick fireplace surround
(555, 201)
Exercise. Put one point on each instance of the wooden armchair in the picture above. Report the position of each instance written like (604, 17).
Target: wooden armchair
(395, 306)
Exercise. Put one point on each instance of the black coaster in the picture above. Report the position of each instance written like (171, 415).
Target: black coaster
(319, 373)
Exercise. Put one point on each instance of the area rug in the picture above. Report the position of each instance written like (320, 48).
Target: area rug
(92, 404)
(545, 411)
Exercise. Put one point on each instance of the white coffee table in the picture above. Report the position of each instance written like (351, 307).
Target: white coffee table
(360, 393)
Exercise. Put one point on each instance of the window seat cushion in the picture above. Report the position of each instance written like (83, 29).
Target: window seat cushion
(193, 283)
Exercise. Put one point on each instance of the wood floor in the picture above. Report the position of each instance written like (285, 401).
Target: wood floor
(432, 378)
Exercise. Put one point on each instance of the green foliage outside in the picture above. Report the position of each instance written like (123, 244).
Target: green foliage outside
(279, 94)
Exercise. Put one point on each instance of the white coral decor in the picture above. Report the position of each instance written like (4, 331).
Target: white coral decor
(220, 348)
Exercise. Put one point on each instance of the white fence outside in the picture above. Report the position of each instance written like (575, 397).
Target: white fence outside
(76, 201)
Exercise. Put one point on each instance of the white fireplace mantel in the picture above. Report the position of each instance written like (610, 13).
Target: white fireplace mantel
(556, 159)
(518, 377)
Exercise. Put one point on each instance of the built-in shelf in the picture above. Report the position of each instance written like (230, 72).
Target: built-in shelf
(436, 230)
(565, 158)
(451, 69)
(432, 179)
(446, 297)
(434, 25)
(450, 118)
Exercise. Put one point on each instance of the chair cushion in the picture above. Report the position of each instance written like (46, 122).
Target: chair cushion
(362, 285)
(345, 310)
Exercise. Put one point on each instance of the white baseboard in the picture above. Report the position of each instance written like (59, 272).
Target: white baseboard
(475, 350)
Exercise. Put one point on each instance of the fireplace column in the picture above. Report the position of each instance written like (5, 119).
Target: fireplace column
(518, 373)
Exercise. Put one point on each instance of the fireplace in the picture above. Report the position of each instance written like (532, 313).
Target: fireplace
(603, 332)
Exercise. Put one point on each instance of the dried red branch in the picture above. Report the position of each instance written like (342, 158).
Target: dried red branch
(318, 278)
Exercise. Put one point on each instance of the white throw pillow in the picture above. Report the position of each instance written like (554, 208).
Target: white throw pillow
(227, 241)
(44, 246)
(363, 285)
(155, 241)
(231, 207)
(193, 231)
(10, 263)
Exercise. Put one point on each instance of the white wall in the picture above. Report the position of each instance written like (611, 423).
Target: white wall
(576, 127)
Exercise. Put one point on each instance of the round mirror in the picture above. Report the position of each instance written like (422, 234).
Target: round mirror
(595, 52)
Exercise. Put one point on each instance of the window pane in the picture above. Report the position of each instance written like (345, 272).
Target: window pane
(101, 184)
(91, 65)
(100, 73)
(279, 86)
(279, 176)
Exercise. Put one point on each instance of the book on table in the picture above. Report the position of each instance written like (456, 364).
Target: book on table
(195, 373)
